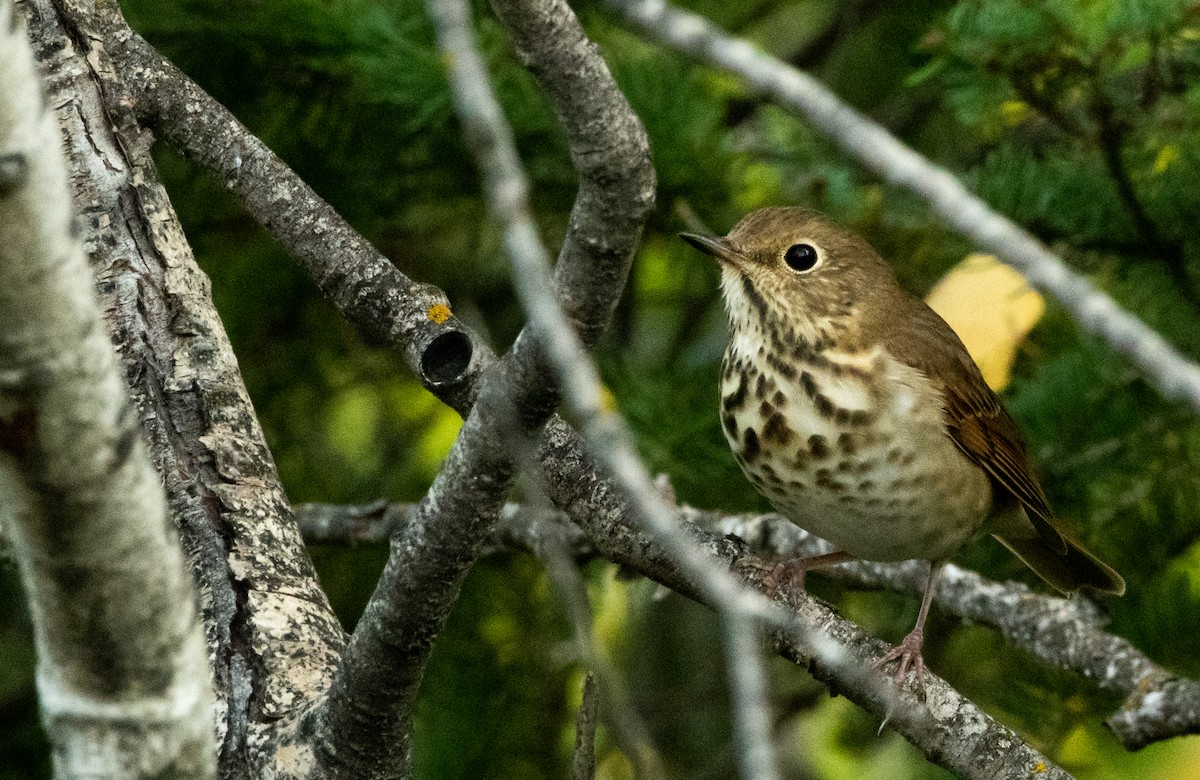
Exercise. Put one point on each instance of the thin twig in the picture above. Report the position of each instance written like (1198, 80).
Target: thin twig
(748, 690)
(583, 759)
(878, 150)
(521, 527)
(630, 730)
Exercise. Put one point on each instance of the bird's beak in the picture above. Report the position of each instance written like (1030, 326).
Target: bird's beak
(711, 245)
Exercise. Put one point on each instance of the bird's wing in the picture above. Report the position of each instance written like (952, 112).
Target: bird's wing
(975, 419)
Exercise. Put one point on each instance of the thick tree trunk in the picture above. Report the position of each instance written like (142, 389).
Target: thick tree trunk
(273, 641)
(122, 675)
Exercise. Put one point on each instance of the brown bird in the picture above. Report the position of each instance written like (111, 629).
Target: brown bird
(855, 409)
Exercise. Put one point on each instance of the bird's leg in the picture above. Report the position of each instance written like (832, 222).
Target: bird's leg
(907, 654)
(791, 573)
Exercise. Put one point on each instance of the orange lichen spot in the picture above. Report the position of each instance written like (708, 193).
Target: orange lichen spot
(439, 313)
(1039, 768)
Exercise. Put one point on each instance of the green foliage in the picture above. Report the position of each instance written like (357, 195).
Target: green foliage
(1078, 118)
(496, 693)
(1079, 111)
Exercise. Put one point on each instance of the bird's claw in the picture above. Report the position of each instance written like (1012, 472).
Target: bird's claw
(785, 575)
(780, 577)
(907, 654)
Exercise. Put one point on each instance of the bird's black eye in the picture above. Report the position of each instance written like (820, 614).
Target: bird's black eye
(801, 257)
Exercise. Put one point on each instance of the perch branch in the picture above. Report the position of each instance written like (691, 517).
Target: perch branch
(1064, 633)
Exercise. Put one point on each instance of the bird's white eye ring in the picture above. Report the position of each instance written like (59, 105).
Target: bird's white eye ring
(802, 257)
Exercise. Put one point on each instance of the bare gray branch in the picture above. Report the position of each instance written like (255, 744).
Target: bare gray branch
(370, 292)
(363, 726)
(583, 760)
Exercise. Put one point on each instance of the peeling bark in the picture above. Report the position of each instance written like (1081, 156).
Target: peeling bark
(273, 639)
(122, 678)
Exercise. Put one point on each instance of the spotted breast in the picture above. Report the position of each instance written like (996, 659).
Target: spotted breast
(848, 445)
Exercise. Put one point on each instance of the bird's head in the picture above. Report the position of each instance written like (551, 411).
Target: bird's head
(792, 270)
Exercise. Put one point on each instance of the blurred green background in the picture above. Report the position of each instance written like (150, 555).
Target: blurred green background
(1078, 118)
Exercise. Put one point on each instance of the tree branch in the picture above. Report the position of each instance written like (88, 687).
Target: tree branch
(370, 292)
(363, 725)
(949, 730)
(1066, 633)
(1166, 369)
(875, 148)
(122, 676)
(583, 759)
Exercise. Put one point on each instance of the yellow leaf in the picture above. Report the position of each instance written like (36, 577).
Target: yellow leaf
(991, 308)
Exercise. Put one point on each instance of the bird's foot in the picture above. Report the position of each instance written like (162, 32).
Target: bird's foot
(790, 574)
(787, 576)
(773, 575)
(907, 656)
